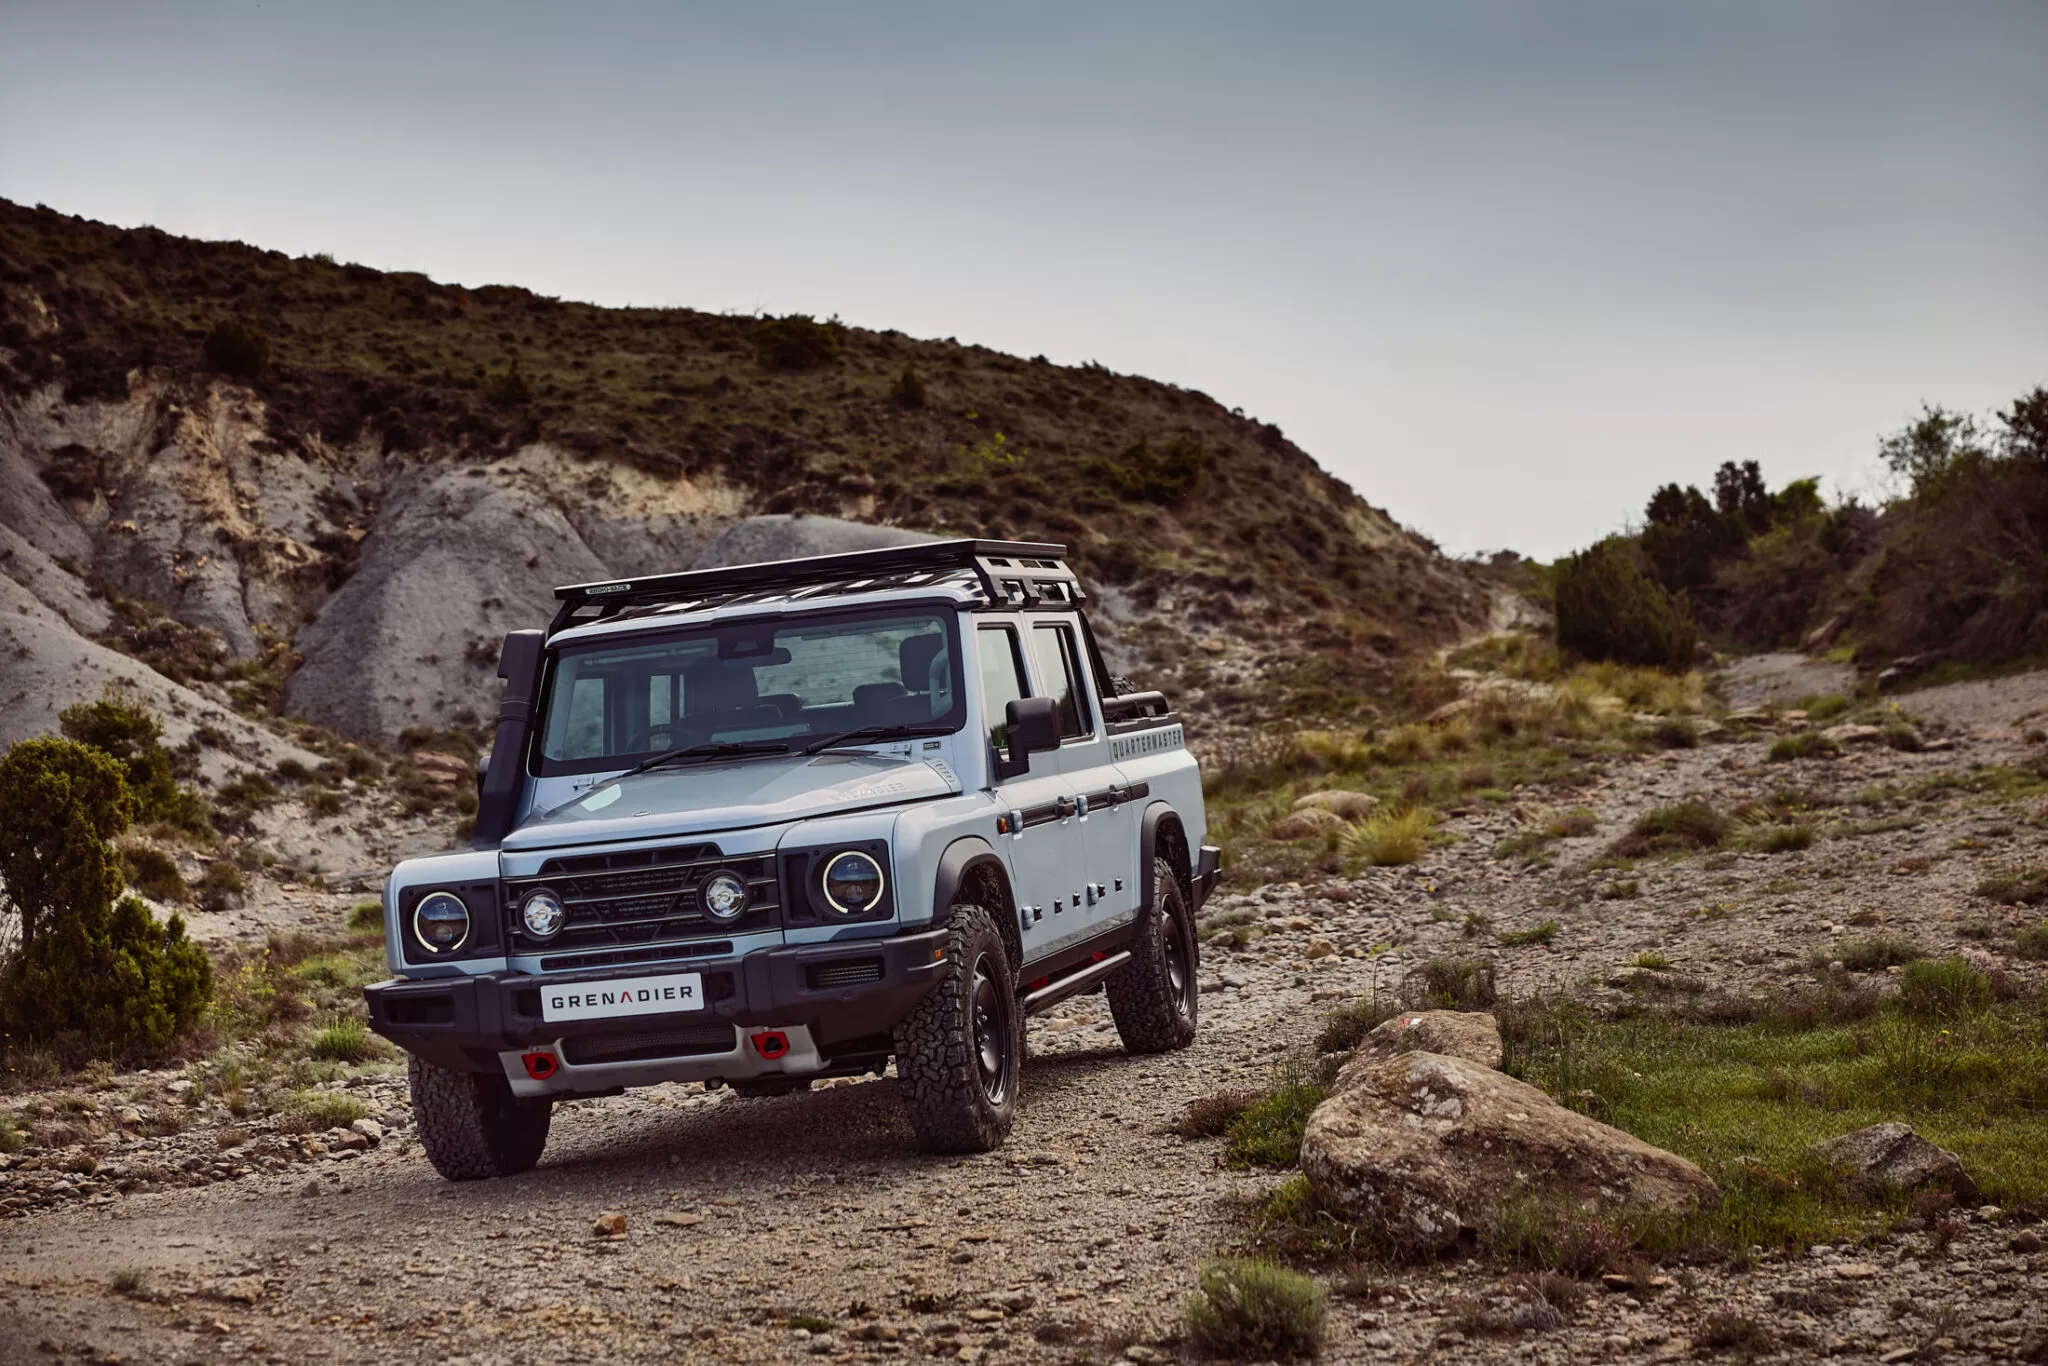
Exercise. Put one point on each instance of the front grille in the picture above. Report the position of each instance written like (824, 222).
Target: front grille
(702, 948)
(640, 898)
(688, 1041)
(825, 976)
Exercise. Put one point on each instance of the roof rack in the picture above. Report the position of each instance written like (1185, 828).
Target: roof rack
(1009, 574)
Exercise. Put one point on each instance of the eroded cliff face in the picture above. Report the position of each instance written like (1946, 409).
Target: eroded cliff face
(391, 578)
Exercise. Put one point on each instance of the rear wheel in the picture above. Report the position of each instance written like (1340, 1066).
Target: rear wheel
(959, 1051)
(1154, 996)
(471, 1124)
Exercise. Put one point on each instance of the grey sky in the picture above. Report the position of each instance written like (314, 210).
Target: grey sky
(1503, 266)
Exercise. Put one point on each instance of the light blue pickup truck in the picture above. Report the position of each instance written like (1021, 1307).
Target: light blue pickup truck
(759, 825)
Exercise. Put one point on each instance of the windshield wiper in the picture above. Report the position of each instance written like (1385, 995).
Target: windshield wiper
(717, 749)
(824, 743)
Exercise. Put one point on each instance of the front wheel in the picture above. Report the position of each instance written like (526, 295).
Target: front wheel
(1153, 997)
(471, 1124)
(959, 1050)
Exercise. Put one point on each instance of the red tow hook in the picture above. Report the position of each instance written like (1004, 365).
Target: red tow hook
(771, 1043)
(540, 1066)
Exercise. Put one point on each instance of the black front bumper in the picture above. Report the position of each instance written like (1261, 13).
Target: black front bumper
(463, 1023)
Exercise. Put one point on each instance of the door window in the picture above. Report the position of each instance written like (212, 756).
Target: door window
(1002, 679)
(1053, 653)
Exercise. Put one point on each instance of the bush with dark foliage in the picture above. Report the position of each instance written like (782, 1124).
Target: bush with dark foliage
(237, 350)
(798, 342)
(1608, 609)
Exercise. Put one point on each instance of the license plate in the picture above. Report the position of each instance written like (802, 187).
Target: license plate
(623, 996)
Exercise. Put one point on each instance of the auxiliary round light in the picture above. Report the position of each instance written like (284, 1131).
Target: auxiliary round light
(441, 922)
(542, 914)
(852, 882)
(723, 896)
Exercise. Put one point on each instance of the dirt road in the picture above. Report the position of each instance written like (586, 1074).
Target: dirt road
(807, 1227)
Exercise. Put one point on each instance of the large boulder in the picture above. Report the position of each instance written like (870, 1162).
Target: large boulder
(1299, 825)
(1892, 1157)
(1431, 1147)
(1349, 805)
(1468, 1034)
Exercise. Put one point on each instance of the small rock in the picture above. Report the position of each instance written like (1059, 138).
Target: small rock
(1145, 1356)
(1236, 980)
(679, 1220)
(1852, 734)
(1302, 824)
(368, 1128)
(1344, 805)
(1337, 891)
(1893, 1156)
(348, 1141)
(2027, 1242)
(128, 1117)
(1855, 1271)
(239, 1289)
(610, 1224)
(1320, 948)
(1900, 1354)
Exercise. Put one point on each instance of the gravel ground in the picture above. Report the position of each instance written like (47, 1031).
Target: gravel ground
(1079, 1240)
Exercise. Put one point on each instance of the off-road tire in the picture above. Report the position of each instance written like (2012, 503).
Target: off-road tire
(1154, 998)
(471, 1124)
(941, 1063)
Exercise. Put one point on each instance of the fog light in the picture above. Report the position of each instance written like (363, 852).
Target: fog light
(723, 896)
(541, 913)
(441, 922)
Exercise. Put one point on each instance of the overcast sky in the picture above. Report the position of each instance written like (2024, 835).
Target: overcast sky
(1503, 266)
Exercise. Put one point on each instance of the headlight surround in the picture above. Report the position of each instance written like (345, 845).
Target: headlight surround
(723, 896)
(441, 922)
(852, 882)
(541, 914)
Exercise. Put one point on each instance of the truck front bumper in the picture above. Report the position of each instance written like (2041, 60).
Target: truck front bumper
(845, 994)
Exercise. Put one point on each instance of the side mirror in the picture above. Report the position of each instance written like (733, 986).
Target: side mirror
(1033, 726)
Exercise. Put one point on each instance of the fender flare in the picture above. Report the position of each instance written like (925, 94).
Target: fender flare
(1162, 835)
(965, 858)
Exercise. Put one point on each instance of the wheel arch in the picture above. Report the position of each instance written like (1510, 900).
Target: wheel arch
(1162, 835)
(971, 873)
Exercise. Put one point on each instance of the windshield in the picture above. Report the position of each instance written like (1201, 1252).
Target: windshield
(612, 705)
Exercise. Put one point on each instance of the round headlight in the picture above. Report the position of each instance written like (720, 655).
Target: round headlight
(723, 896)
(441, 921)
(853, 883)
(541, 913)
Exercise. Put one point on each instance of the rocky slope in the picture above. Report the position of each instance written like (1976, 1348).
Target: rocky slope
(400, 471)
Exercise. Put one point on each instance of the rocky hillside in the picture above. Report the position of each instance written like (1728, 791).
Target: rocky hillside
(301, 485)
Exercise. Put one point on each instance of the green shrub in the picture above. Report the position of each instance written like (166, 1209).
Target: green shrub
(908, 391)
(328, 1109)
(1677, 828)
(508, 388)
(1675, 732)
(221, 886)
(1608, 609)
(12, 1139)
(1268, 1133)
(1389, 838)
(1901, 736)
(2028, 887)
(1346, 1027)
(366, 917)
(1164, 476)
(1781, 839)
(1212, 1116)
(61, 805)
(798, 342)
(345, 1040)
(1255, 1310)
(1539, 934)
(1807, 744)
(1452, 983)
(154, 873)
(237, 350)
(1943, 989)
(1885, 951)
(111, 979)
(2032, 944)
(119, 724)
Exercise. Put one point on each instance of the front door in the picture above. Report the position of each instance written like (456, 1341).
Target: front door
(1045, 845)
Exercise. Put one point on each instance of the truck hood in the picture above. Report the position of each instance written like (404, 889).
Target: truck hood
(733, 794)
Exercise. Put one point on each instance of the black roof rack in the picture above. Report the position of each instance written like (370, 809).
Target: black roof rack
(1009, 574)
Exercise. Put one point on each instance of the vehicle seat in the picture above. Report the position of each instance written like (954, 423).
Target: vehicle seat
(927, 676)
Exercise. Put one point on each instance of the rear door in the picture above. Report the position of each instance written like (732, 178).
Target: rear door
(1104, 881)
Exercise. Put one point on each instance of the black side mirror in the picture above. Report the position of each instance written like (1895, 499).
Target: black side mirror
(1032, 725)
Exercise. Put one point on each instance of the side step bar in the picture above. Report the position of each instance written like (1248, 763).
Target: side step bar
(1052, 993)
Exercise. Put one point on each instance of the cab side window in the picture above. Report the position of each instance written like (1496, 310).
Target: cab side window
(1002, 679)
(1057, 661)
